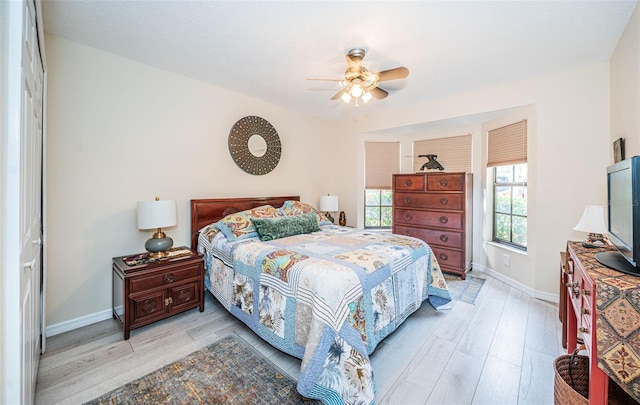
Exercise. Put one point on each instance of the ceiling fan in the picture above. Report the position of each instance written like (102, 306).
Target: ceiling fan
(360, 83)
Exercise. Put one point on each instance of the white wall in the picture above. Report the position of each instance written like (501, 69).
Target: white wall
(625, 87)
(568, 152)
(121, 132)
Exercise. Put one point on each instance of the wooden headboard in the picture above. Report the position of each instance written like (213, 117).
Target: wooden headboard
(208, 211)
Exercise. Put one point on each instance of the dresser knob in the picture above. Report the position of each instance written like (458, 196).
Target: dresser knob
(443, 257)
(408, 233)
(168, 278)
(582, 329)
(586, 292)
(408, 182)
(585, 311)
(444, 201)
(168, 301)
(407, 200)
(444, 220)
(444, 238)
(408, 216)
(444, 183)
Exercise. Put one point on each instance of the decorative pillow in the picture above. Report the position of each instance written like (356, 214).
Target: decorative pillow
(280, 227)
(292, 207)
(238, 226)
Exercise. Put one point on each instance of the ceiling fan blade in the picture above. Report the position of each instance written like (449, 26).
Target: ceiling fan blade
(393, 74)
(378, 93)
(340, 93)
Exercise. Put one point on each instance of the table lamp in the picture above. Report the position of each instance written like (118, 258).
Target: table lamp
(592, 222)
(157, 214)
(329, 203)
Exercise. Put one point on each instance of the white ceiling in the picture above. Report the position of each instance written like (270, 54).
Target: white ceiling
(267, 49)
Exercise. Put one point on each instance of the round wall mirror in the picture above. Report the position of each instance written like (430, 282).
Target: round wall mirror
(257, 145)
(254, 145)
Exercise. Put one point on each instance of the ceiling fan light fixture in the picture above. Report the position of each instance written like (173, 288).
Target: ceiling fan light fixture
(346, 97)
(356, 90)
(366, 97)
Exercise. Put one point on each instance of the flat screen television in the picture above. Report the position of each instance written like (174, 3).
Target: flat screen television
(623, 195)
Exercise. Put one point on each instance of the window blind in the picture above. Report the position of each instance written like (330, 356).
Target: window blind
(507, 145)
(381, 160)
(454, 153)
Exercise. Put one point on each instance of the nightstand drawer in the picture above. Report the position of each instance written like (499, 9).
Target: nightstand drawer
(429, 201)
(165, 279)
(149, 307)
(184, 295)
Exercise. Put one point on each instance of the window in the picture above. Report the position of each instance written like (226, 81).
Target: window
(510, 205)
(382, 160)
(507, 156)
(377, 208)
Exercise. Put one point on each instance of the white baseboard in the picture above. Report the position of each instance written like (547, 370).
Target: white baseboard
(545, 296)
(76, 323)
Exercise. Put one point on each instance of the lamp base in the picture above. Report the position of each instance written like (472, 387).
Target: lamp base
(158, 245)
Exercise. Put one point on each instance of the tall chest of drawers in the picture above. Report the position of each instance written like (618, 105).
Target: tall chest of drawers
(436, 207)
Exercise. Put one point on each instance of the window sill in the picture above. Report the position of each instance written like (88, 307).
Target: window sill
(506, 247)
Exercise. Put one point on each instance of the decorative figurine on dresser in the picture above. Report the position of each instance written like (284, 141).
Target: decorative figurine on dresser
(436, 207)
(148, 289)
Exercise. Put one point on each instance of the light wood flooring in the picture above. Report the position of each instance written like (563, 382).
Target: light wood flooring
(498, 351)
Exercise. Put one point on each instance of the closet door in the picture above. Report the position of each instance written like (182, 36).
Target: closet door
(22, 202)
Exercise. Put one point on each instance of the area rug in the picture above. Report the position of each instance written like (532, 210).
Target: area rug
(230, 371)
(464, 290)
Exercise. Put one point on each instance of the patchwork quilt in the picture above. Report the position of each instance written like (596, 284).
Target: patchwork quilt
(326, 297)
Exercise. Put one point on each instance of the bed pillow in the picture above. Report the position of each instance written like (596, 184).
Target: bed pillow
(280, 227)
(292, 207)
(238, 226)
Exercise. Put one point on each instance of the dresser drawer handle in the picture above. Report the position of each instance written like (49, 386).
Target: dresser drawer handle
(444, 201)
(444, 238)
(444, 182)
(443, 257)
(586, 292)
(444, 220)
(168, 278)
(408, 233)
(407, 200)
(585, 311)
(168, 301)
(408, 216)
(575, 291)
(408, 182)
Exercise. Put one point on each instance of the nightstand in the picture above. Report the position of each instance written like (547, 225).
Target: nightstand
(148, 291)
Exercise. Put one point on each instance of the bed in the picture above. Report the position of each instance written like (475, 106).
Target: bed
(324, 293)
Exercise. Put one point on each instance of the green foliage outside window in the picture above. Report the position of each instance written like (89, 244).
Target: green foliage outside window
(510, 205)
(378, 212)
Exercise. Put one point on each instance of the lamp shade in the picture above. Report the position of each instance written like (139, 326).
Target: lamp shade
(592, 220)
(156, 214)
(329, 203)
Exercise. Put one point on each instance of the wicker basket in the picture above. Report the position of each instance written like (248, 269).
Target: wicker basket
(571, 383)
